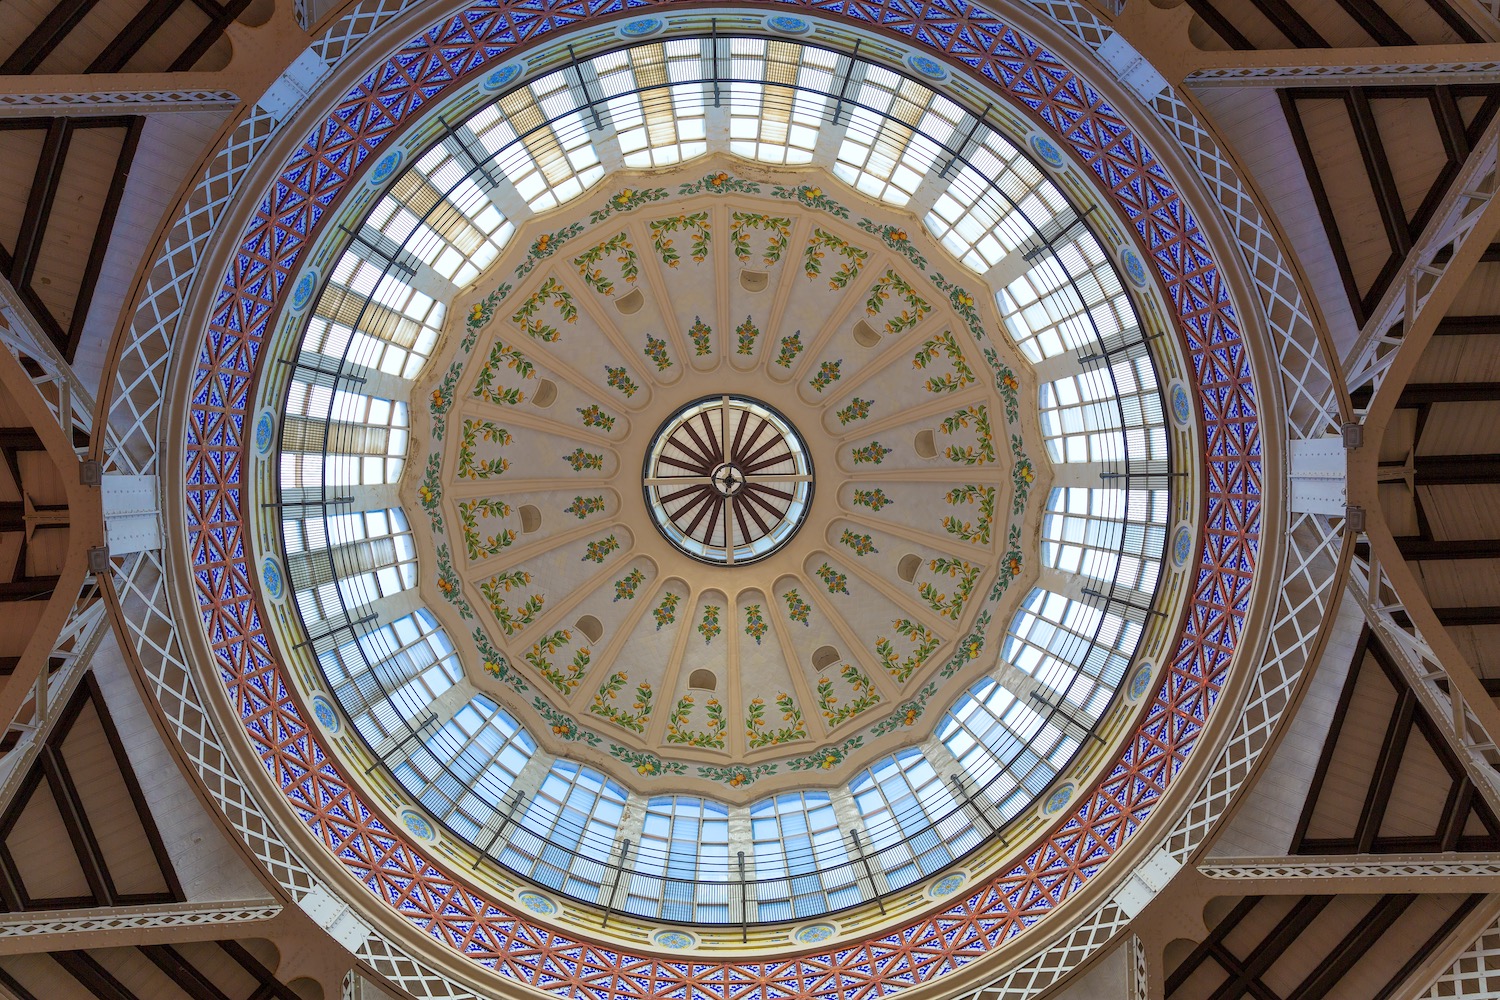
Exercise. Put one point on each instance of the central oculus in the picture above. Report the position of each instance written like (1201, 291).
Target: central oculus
(727, 480)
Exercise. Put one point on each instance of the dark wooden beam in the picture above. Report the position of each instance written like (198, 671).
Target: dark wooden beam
(92, 976)
(1265, 954)
(1285, 18)
(1376, 22)
(1431, 393)
(1456, 617)
(103, 230)
(46, 36)
(1321, 201)
(1378, 168)
(1387, 766)
(39, 201)
(182, 972)
(27, 588)
(1220, 24)
(270, 988)
(147, 22)
(1423, 550)
(1353, 947)
(211, 33)
(1205, 948)
(1456, 470)
(1427, 947)
(1467, 326)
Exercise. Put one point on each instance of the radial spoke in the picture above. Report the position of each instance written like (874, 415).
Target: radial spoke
(775, 460)
(762, 488)
(724, 429)
(703, 452)
(780, 512)
(750, 458)
(679, 480)
(707, 507)
(742, 509)
(772, 477)
(671, 460)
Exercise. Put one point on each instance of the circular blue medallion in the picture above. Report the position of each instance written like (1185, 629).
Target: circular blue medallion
(1047, 151)
(322, 710)
(270, 572)
(1182, 403)
(537, 903)
(1135, 270)
(1058, 799)
(418, 825)
(388, 165)
(303, 293)
(785, 24)
(672, 939)
(641, 27)
(265, 432)
(813, 933)
(1140, 681)
(927, 66)
(946, 886)
(1182, 546)
(500, 77)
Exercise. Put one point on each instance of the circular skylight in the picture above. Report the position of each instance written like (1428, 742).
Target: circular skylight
(728, 480)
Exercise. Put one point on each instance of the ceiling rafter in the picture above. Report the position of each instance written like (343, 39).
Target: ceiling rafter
(1228, 19)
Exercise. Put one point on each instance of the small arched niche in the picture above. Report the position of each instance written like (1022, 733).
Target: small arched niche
(591, 627)
(754, 281)
(546, 393)
(824, 657)
(866, 335)
(907, 568)
(926, 444)
(531, 518)
(703, 680)
(630, 304)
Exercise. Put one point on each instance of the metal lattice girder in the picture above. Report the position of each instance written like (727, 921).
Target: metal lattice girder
(1355, 873)
(1400, 326)
(29, 933)
(1445, 683)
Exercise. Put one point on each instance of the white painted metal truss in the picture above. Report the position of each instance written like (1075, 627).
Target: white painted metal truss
(128, 918)
(115, 102)
(1353, 866)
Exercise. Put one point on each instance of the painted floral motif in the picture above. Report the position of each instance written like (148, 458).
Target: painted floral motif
(656, 350)
(647, 765)
(1007, 384)
(699, 232)
(708, 627)
(756, 733)
(511, 621)
(872, 453)
(617, 246)
(946, 344)
(980, 453)
(966, 575)
(593, 416)
(619, 378)
(858, 409)
(720, 183)
(826, 758)
(755, 622)
(812, 197)
(477, 546)
(978, 531)
(475, 431)
(902, 668)
(702, 335)
(963, 304)
(581, 460)
(865, 695)
(633, 719)
(791, 346)
(540, 657)
(506, 357)
(598, 549)
(971, 645)
(626, 585)
(796, 608)
(449, 585)
(496, 664)
(442, 399)
(778, 231)
(862, 544)
(896, 239)
(430, 490)
(1010, 563)
(906, 714)
(836, 582)
(627, 201)
(819, 245)
(916, 309)
(874, 499)
(582, 507)
(561, 299)
(480, 314)
(1022, 475)
(828, 373)
(711, 737)
(545, 246)
(735, 775)
(665, 613)
(745, 335)
(564, 727)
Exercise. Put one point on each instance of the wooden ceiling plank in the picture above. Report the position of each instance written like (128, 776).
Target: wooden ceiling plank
(85, 844)
(1453, 19)
(39, 201)
(47, 36)
(1325, 756)
(1376, 23)
(1347, 953)
(147, 21)
(182, 972)
(1271, 948)
(10, 983)
(1290, 23)
(1220, 931)
(1427, 947)
(1252, 985)
(270, 987)
(92, 976)
(1220, 24)
(102, 233)
(1383, 782)
(211, 33)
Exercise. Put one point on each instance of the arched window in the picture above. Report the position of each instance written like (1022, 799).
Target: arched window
(801, 864)
(566, 836)
(463, 770)
(682, 865)
(914, 822)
